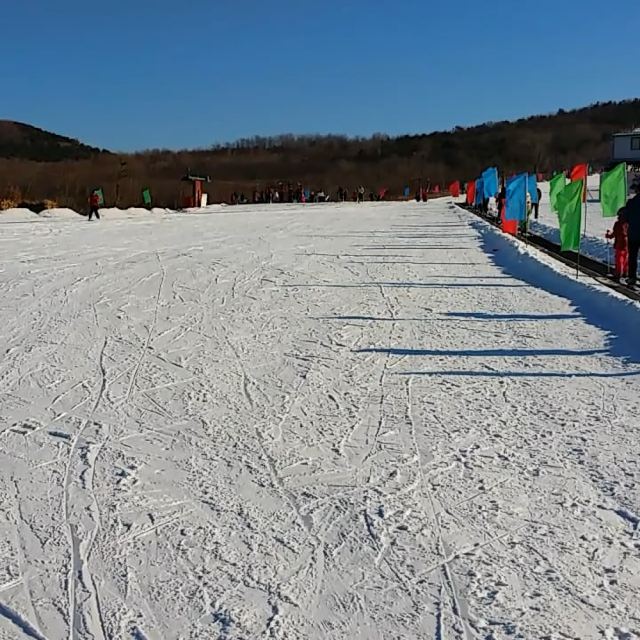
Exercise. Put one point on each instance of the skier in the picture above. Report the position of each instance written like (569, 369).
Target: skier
(536, 205)
(631, 215)
(94, 205)
(620, 246)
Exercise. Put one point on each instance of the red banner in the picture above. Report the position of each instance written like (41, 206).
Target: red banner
(579, 172)
(471, 192)
(508, 226)
(454, 189)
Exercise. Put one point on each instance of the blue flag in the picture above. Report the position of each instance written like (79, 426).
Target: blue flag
(516, 198)
(490, 182)
(532, 187)
(407, 192)
(479, 191)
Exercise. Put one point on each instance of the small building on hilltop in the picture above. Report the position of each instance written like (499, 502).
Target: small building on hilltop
(626, 147)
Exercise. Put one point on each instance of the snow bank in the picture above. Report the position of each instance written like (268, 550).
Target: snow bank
(18, 215)
(59, 214)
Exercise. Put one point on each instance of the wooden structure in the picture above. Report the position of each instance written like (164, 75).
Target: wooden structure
(196, 181)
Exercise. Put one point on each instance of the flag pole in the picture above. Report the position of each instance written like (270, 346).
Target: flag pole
(585, 228)
(586, 197)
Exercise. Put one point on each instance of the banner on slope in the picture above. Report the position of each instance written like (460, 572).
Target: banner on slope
(557, 184)
(454, 189)
(517, 198)
(532, 187)
(613, 190)
(490, 182)
(471, 192)
(100, 193)
(580, 172)
(570, 215)
(479, 192)
(508, 226)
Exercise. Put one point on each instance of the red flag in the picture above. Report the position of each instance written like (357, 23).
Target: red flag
(436, 189)
(579, 172)
(508, 226)
(454, 189)
(471, 192)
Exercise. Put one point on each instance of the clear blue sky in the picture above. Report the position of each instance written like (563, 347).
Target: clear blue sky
(134, 74)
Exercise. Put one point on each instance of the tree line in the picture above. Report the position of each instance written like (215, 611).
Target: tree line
(322, 162)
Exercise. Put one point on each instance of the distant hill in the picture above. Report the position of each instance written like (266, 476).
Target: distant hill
(22, 141)
(543, 143)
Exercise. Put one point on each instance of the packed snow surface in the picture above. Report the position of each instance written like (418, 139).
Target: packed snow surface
(322, 422)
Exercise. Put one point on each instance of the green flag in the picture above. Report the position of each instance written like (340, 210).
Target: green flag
(100, 193)
(570, 215)
(146, 197)
(556, 185)
(613, 190)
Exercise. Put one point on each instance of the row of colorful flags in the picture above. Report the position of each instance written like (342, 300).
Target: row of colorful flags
(568, 199)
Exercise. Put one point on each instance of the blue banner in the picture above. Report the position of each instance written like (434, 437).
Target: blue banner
(516, 198)
(490, 182)
(479, 191)
(532, 187)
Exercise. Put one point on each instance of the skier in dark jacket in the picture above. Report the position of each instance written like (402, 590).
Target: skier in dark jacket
(536, 205)
(631, 215)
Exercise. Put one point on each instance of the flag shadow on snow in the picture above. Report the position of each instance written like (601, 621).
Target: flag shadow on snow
(418, 262)
(479, 315)
(522, 374)
(485, 353)
(410, 285)
(406, 247)
(373, 319)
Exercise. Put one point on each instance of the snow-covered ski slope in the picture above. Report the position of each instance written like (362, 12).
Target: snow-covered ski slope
(318, 422)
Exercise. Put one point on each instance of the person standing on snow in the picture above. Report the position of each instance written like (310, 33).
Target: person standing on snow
(620, 246)
(631, 215)
(94, 205)
(536, 205)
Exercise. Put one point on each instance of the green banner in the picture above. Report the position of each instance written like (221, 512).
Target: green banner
(100, 194)
(556, 185)
(570, 215)
(613, 190)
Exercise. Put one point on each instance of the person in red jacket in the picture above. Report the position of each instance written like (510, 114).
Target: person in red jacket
(619, 234)
(94, 205)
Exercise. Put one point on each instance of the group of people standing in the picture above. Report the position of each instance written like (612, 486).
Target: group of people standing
(288, 193)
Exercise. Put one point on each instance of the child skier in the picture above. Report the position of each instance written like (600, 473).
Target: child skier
(619, 235)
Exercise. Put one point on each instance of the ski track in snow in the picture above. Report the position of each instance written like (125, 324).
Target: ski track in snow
(312, 422)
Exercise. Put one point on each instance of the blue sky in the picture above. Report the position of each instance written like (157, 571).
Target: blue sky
(140, 74)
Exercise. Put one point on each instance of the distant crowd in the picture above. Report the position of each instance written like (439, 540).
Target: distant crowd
(296, 194)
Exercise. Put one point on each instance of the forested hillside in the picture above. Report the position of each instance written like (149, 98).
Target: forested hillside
(35, 165)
